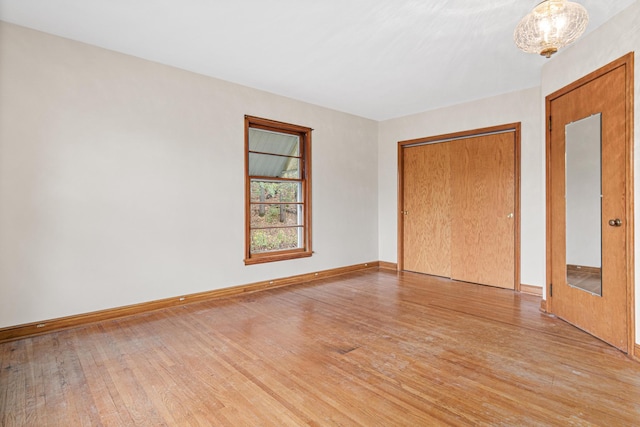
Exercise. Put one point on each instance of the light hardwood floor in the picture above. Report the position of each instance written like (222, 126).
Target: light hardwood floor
(372, 348)
(590, 281)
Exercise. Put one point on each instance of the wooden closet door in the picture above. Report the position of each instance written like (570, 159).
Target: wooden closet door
(426, 210)
(483, 210)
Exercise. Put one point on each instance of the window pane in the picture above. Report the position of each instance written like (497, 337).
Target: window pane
(275, 166)
(275, 239)
(275, 191)
(275, 216)
(265, 141)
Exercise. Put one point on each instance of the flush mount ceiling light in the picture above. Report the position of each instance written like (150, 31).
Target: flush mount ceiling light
(551, 25)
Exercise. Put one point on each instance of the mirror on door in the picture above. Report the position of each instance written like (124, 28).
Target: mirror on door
(584, 204)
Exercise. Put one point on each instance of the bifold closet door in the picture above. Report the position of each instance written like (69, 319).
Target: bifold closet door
(483, 209)
(426, 211)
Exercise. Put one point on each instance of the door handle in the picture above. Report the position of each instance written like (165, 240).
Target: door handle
(615, 222)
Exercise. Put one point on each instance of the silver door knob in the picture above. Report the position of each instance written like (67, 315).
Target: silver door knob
(615, 222)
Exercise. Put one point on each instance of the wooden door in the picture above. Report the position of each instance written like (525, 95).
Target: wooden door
(483, 210)
(458, 199)
(605, 315)
(427, 222)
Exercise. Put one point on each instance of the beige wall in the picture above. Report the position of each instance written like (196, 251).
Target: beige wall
(121, 180)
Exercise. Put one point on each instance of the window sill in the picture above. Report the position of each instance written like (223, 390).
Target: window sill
(278, 256)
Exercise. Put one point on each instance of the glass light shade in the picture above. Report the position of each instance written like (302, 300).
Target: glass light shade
(551, 25)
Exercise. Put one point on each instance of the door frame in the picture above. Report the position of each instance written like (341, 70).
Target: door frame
(509, 127)
(627, 62)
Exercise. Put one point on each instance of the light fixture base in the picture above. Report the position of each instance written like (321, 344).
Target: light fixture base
(548, 52)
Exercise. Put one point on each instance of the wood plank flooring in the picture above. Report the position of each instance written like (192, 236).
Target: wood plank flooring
(371, 348)
(587, 280)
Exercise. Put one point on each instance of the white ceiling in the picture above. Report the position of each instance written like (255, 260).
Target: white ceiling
(378, 59)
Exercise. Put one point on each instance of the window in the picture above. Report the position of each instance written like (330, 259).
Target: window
(278, 191)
